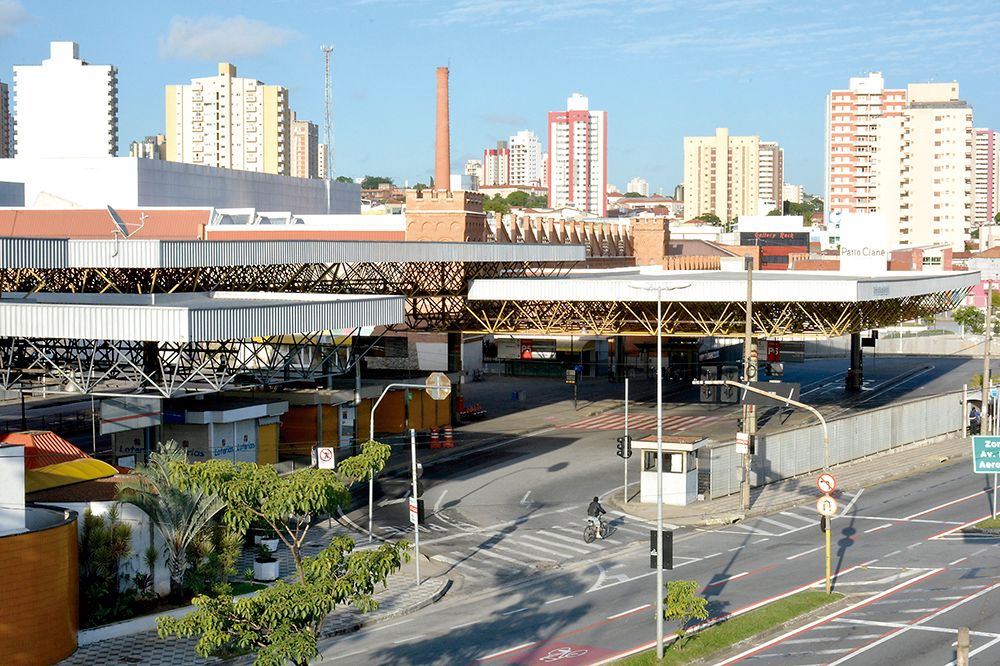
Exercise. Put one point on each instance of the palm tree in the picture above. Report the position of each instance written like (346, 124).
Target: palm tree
(179, 516)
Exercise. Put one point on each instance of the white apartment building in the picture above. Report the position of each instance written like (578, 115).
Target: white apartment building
(321, 162)
(639, 186)
(721, 175)
(496, 166)
(229, 122)
(4, 122)
(525, 159)
(304, 148)
(65, 107)
(474, 170)
(578, 157)
(792, 193)
(852, 118)
(987, 176)
(924, 168)
(770, 175)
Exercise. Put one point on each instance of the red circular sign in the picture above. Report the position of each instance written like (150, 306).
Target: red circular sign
(826, 483)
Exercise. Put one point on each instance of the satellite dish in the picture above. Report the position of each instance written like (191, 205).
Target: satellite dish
(121, 229)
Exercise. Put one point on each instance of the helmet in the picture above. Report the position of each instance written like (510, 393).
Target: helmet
(596, 500)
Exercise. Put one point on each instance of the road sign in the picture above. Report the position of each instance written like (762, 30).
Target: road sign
(438, 386)
(826, 483)
(993, 393)
(326, 457)
(986, 454)
(826, 505)
(414, 511)
(571, 376)
(742, 449)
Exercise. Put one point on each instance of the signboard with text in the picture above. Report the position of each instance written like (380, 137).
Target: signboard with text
(986, 454)
(864, 242)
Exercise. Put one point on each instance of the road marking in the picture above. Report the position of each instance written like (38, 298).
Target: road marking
(732, 549)
(440, 500)
(823, 620)
(805, 552)
(750, 530)
(850, 505)
(878, 527)
(629, 612)
(946, 504)
(489, 551)
(980, 649)
(524, 500)
(407, 640)
(574, 548)
(558, 599)
(578, 543)
(913, 545)
(961, 526)
(390, 626)
(760, 541)
(726, 580)
(508, 650)
(810, 521)
(775, 522)
(345, 656)
(961, 559)
(895, 552)
(467, 624)
(515, 611)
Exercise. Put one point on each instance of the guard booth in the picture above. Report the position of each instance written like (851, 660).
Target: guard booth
(680, 469)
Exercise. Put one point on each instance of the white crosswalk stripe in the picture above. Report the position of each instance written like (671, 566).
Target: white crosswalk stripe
(639, 422)
(771, 521)
(799, 516)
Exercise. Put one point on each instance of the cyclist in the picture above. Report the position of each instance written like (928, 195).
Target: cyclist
(594, 512)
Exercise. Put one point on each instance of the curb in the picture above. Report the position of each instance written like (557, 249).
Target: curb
(363, 621)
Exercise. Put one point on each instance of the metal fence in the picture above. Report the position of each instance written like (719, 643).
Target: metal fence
(786, 454)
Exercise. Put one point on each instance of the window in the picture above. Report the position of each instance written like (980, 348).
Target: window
(673, 462)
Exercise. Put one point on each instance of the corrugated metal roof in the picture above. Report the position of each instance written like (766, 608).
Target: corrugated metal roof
(32, 253)
(190, 317)
(138, 253)
(90, 223)
(716, 286)
(43, 448)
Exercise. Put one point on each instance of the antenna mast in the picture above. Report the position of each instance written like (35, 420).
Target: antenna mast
(328, 99)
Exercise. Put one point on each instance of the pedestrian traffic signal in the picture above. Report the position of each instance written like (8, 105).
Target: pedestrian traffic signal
(625, 446)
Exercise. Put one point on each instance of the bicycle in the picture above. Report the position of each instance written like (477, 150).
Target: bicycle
(590, 532)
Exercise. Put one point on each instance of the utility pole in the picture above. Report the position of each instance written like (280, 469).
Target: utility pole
(985, 427)
(749, 375)
(330, 164)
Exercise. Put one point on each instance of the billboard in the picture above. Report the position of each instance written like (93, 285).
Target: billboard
(121, 414)
(864, 242)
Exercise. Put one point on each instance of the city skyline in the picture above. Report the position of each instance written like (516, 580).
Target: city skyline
(758, 68)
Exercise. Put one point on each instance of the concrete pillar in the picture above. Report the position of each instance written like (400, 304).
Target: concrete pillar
(442, 151)
(855, 375)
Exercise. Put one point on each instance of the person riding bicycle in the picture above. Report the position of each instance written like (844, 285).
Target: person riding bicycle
(594, 512)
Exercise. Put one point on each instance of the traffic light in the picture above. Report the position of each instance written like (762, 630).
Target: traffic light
(621, 447)
(625, 446)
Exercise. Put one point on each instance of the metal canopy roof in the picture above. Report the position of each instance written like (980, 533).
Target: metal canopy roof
(62, 253)
(189, 317)
(635, 285)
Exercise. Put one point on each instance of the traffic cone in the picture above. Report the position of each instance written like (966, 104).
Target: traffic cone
(449, 443)
(435, 442)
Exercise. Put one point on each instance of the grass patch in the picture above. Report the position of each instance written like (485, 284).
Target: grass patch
(989, 524)
(734, 630)
(242, 587)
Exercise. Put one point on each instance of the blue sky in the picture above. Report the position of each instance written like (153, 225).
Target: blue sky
(662, 69)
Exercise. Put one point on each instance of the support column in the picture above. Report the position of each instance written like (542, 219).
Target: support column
(855, 374)
(455, 366)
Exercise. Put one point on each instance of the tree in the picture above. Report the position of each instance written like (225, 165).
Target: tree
(180, 516)
(282, 622)
(996, 218)
(519, 199)
(774, 212)
(372, 182)
(633, 195)
(970, 318)
(710, 218)
(496, 205)
(538, 201)
(682, 603)
(104, 546)
(344, 179)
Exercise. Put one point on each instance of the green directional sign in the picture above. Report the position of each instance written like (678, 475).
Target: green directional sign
(986, 454)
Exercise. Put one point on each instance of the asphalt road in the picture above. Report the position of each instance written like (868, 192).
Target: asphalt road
(912, 582)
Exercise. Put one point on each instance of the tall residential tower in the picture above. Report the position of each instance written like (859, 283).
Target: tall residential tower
(578, 157)
(721, 175)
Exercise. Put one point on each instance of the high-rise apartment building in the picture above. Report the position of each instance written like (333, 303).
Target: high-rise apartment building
(578, 157)
(474, 170)
(924, 168)
(4, 122)
(639, 186)
(987, 176)
(721, 175)
(305, 148)
(496, 165)
(65, 107)
(229, 122)
(792, 193)
(525, 159)
(770, 175)
(852, 120)
(150, 148)
(321, 161)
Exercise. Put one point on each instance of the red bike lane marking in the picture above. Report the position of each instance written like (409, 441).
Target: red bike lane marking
(557, 652)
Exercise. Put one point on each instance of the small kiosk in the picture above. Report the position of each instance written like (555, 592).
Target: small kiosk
(680, 469)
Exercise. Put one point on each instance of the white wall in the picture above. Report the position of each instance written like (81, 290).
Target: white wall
(12, 489)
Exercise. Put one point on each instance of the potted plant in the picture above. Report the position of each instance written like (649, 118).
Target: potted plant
(269, 540)
(265, 565)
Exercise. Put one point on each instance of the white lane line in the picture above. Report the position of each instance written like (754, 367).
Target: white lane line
(629, 612)
(914, 545)
(519, 544)
(466, 624)
(981, 648)
(407, 640)
(524, 500)
(732, 549)
(558, 599)
(903, 625)
(345, 656)
(726, 580)
(390, 626)
(878, 527)
(440, 500)
(578, 543)
(775, 522)
(629, 528)
(490, 553)
(576, 547)
(515, 611)
(808, 520)
(750, 530)
(946, 504)
(760, 541)
(507, 651)
(895, 552)
(850, 504)
(805, 552)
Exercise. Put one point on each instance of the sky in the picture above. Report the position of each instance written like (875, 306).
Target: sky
(662, 69)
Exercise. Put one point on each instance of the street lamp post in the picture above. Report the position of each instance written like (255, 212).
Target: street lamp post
(659, 288)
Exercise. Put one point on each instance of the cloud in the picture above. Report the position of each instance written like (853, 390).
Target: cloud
(12, 14)
(503, 119)
(214, 38)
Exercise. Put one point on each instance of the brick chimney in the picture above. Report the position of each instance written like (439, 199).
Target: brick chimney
(442, 148)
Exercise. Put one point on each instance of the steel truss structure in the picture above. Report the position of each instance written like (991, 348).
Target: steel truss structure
(687, 319)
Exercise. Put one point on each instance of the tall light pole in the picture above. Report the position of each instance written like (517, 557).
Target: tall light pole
(659, 288)
(749, 374)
